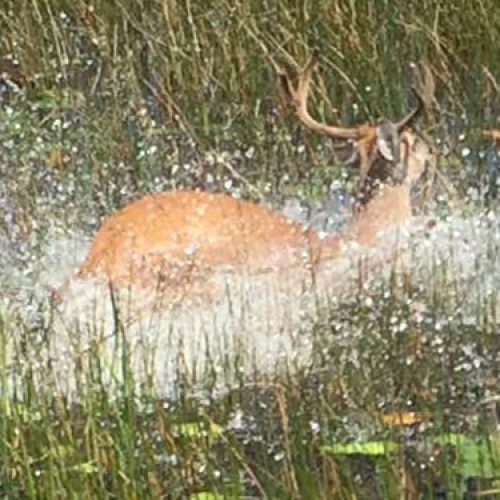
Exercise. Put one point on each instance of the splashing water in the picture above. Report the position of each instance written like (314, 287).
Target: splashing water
(264, 322)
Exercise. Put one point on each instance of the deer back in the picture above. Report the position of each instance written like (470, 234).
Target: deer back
(176, 238)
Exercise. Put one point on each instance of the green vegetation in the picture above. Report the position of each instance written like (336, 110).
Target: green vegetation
(338, 427)
(105, 100)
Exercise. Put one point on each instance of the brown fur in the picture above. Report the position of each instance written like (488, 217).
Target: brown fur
(493, 133)
(178, 238)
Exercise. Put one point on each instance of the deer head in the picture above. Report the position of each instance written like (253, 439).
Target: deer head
(383, 151)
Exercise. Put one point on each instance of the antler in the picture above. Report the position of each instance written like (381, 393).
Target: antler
(403, 123)
(298, 96)
(424, 90)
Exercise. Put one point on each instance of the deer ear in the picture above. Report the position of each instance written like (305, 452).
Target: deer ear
(388, 142)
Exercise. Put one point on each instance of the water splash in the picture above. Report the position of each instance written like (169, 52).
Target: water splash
(261, 322)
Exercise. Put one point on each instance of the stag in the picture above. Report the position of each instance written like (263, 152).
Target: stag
(183, 239)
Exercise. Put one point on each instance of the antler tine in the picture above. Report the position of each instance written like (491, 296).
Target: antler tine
(424, 89)
(413, 113)
(299, 96)
(304, 79)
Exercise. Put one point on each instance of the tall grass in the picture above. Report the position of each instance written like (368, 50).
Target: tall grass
(158, 87)
(420, 342)
(104, 100)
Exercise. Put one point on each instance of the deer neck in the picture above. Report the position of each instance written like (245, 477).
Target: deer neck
(389, 207)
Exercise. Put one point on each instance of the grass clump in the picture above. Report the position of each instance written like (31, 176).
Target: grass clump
(103, 101)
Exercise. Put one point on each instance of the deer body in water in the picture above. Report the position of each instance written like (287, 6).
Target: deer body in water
(179, 240)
